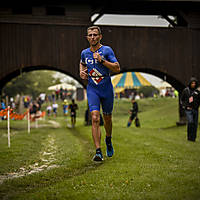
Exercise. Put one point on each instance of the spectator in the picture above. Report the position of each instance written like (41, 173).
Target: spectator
(53, 96)
(26, 101)
(12, 103)
(65, 107)
(55, 107)
(42, 97)
(39, 102)
(57, 93)
(49, 109)
(190, 100)
(133, 112)
(73, 107)
(34, 108)
(3, 105)
(61, 93)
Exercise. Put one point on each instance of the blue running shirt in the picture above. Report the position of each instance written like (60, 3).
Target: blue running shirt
(95, 68)
(99, 89)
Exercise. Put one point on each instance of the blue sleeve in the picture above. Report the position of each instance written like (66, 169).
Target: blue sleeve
(83, 57)
(110, 56)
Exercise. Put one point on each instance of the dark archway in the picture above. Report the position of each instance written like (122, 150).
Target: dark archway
(34, 68)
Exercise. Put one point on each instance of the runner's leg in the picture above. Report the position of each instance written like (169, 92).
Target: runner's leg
(94, 106)
(107, 107)
(96, 132)
(108, 124)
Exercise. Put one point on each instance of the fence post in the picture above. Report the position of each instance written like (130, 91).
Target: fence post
(28, 117)
(8, 121)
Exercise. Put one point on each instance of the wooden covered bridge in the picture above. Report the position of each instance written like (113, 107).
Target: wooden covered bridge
(51, 35)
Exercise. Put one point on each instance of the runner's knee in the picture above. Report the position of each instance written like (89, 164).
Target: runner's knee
(107, 118)
(95, 117)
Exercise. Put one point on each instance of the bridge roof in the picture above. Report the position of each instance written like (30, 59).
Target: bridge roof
(10, 3)
(148, 7)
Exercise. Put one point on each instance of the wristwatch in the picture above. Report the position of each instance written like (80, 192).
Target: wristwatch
(102, 60)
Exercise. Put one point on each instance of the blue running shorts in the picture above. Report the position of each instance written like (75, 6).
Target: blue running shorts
(101, 95)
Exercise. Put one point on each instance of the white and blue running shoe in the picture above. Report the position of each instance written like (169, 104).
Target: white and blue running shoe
(109, 149)
(98, 157)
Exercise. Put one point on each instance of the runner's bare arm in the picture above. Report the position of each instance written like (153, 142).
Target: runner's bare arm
(83, 71)
(115, 67)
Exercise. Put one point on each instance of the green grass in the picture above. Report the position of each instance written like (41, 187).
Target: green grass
(152, 162)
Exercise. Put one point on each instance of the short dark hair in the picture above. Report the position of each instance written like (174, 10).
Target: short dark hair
(94, 27)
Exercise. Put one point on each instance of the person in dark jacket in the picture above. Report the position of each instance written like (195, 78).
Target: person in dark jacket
(133, 112)
(73, 107)
(190, 100)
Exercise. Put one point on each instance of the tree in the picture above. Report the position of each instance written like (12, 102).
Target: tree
(148, 91)
(30, 83)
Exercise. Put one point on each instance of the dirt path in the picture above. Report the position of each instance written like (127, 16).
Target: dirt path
(47, 158)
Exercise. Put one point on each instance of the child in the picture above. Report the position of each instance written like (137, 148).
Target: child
(55, 107)
(49, 108)
(65, 107)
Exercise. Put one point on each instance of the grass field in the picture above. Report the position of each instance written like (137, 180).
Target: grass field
(152, 162)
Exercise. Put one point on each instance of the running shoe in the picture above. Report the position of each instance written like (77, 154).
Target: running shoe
(98, 157)
(109, 149)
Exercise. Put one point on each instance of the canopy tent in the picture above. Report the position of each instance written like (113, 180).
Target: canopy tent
(164, 84)
(63, 86)
(128, 80)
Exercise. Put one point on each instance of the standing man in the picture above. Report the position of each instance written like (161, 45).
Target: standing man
(190, 101)
(96, 63)
(73, 107)
(133, 112)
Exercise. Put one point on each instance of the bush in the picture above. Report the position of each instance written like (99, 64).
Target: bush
(148, 91)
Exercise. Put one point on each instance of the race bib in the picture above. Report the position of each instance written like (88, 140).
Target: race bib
(191, 99)
(96, 76)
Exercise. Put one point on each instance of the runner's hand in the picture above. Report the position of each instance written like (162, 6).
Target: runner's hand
(97, 56)
(83, 73)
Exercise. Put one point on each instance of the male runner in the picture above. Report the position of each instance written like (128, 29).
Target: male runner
(95, 65)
